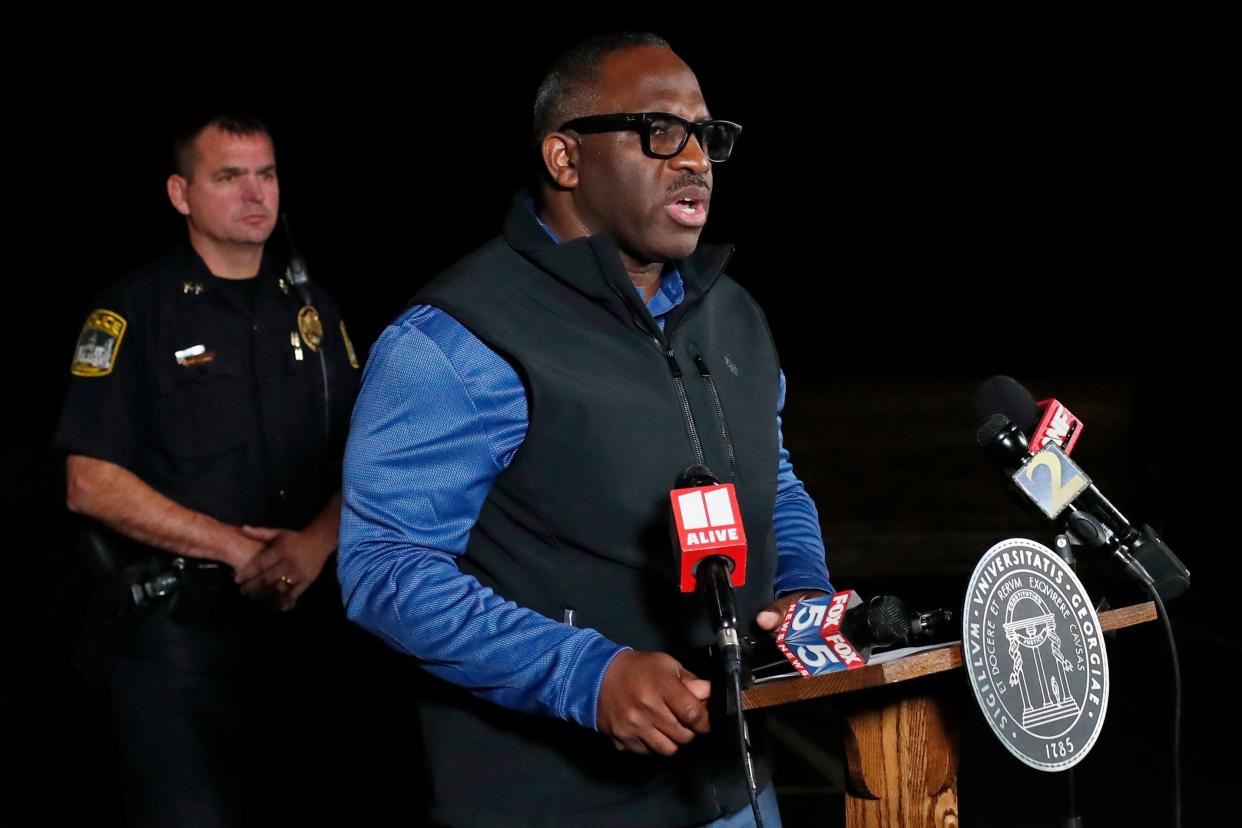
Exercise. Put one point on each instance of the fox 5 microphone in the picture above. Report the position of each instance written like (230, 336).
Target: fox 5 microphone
(711, 552)
(1047, 421)
(837, 632)
(811, 635)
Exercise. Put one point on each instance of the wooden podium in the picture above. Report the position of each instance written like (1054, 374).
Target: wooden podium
(901, 740)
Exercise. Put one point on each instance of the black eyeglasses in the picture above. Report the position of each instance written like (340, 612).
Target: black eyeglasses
(663, 134)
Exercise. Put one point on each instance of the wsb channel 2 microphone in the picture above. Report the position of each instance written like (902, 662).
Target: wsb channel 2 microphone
(1040, 469)
(1046, 421)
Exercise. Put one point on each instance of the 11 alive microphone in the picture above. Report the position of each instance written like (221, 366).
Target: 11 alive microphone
(1046, 421)
(711, 550)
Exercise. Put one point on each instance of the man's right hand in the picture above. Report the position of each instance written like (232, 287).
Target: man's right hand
(239, 548)
(122, 501)
(649, 702)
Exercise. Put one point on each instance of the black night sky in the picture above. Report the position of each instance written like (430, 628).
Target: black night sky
(916, 208)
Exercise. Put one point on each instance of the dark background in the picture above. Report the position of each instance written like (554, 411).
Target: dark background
(916, 204)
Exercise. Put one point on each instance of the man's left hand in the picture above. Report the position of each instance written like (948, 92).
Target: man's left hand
(770, 617)
(283, 570)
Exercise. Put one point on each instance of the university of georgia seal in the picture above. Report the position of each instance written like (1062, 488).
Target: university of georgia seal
(1035, 654)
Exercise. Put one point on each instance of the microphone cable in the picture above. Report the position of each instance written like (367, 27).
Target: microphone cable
(748, 767)
(1150, 586)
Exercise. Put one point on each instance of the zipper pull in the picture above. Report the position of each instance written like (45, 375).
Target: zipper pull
(672, 363)
(702, 366)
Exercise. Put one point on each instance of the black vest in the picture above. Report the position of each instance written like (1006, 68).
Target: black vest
(580, 519)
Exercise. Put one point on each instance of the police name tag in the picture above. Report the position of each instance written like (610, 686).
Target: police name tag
(1035, 654)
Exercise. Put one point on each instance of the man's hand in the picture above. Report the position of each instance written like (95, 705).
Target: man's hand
(241, 548)
(288, 564)
(771, 616)
(649, 702)
(120, 499)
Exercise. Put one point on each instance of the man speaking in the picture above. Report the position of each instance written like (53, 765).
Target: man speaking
(506, 495)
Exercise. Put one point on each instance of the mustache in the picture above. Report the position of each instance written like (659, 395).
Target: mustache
(690, 180)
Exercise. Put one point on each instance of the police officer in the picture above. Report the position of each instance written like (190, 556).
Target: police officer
(208, 403)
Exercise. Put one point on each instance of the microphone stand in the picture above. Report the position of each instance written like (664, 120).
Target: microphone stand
(712, 579)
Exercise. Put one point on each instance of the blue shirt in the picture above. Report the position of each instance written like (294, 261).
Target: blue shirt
(439, 417)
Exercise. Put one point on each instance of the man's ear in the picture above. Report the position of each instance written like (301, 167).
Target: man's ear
(560, 152)
(176, 193)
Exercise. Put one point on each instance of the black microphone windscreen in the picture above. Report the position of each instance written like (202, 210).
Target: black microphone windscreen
(888, 619)
(991, 429)
(1005, 395)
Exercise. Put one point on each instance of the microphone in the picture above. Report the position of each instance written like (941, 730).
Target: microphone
(708, 524)
(711, 547)
(1005, 395)
(932, 626)
(880, 622)
(838, 632)
(1057, 425)
(1046, 421)
(711, 550)
(1063, 482)
(885, 620)
(811, 635)
(1058, 486)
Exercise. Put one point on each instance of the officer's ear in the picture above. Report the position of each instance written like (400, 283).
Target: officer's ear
(176, 193)
(560, 157)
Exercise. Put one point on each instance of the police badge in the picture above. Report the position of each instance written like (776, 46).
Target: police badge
(98, 343)
(1035, 654)
(310, 327)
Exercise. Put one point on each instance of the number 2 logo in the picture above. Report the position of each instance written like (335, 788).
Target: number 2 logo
(1060, 492)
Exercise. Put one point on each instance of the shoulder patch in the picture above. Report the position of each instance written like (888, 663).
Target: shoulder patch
(98, 344)
(349, 347)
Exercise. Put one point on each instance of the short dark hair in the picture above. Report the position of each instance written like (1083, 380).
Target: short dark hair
(185, 153)
(563, 91)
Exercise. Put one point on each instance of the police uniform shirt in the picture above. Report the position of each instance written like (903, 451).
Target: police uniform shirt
(212, 391)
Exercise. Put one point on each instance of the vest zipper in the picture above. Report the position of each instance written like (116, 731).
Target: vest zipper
(685, 401)
(720, 418)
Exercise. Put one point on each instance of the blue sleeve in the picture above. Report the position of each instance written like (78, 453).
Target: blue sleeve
(800, 561)
(438, 418)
